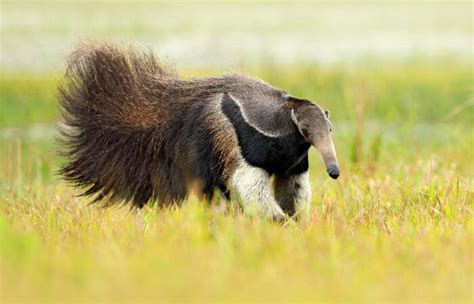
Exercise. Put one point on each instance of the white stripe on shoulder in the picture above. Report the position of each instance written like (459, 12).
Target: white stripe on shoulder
(266, 133)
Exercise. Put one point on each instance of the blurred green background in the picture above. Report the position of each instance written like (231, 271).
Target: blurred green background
(397, 77)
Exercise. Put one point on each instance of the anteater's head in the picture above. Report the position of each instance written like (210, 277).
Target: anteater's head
(313, 123)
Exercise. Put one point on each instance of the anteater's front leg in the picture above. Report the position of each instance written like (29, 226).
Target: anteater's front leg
(252, 188)
(293, 194)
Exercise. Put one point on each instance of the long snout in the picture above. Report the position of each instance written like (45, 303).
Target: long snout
(326, 148)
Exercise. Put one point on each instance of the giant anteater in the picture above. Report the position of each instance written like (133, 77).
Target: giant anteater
(134, 131)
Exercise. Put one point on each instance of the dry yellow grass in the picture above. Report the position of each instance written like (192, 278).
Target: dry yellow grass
(372, 237)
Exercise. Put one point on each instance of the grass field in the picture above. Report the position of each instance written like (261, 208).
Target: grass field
(397, 225)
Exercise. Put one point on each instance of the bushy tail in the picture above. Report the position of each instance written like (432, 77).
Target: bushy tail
(111, 112)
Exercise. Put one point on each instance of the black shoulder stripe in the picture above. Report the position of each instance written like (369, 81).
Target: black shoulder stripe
(233, 112)
(274, 154)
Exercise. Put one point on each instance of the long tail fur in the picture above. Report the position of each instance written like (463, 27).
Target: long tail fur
(113, 122)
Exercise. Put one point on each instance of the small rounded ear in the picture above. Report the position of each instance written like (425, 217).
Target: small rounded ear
(326, 113)
(293, 117)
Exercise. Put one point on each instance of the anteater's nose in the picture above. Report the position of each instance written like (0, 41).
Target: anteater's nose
(333, 171)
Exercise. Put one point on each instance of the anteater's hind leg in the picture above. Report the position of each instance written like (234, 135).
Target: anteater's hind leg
(252, 188)
(293, 194)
